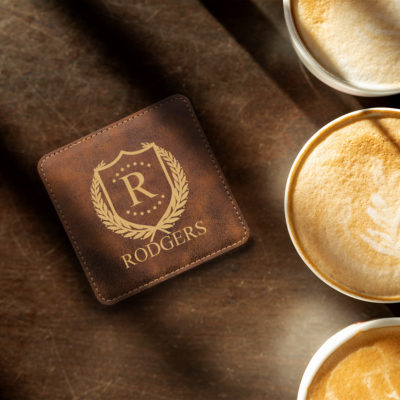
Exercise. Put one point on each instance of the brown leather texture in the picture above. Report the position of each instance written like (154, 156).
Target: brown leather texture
(143, 199)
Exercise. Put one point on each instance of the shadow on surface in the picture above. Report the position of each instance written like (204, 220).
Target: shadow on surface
(394, 309)
(21, 176)
(119, 44)
(194, 362)
(274, 53)
(369, 102)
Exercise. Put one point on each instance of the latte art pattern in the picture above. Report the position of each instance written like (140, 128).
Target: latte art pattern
(386, 240)
(357, 40)
(385, 236)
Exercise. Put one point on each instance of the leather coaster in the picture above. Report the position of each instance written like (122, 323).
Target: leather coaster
(143, 199)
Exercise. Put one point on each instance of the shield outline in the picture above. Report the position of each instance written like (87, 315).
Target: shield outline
(145, 148)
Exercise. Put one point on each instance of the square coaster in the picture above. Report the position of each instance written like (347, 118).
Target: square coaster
(143, 199)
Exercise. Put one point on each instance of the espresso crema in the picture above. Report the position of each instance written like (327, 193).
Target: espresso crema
(366, 367)
(356, 40)
(343, 204)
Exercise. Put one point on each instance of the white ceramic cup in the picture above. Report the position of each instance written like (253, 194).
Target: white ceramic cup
(318, 70)
(309, 145)
(333, 343)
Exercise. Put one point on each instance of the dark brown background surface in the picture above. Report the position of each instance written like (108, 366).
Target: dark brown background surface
(240, 327)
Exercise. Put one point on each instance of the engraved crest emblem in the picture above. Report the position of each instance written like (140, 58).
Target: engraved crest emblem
(140, 192)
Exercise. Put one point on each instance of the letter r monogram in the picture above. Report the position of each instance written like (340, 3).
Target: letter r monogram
(137, 188)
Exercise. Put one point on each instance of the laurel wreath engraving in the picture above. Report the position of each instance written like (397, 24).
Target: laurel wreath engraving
(115, 223)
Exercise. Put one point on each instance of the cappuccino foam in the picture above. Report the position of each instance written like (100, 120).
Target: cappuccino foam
(366, 367)
(356, 40)
(343, 204)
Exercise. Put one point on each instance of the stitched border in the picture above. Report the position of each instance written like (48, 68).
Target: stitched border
(124, 121)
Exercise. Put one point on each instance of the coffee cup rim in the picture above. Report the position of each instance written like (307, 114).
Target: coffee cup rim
(289, 224)
(333, 343)
(318, 70)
